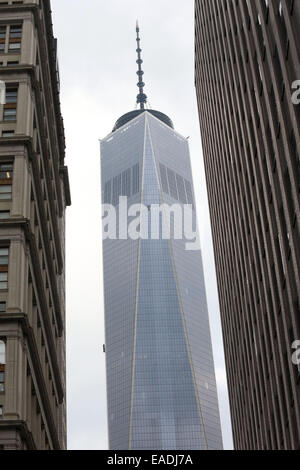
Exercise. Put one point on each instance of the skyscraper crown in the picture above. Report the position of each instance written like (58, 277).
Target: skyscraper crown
(141, 98)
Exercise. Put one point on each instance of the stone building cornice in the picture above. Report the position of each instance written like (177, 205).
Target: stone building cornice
(22, 428)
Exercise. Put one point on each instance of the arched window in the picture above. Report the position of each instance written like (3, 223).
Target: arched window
(2, 352)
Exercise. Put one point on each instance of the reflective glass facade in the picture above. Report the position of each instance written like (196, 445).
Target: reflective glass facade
(161, 386)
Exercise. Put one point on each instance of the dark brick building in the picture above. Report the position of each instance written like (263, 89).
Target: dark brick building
(247, 65)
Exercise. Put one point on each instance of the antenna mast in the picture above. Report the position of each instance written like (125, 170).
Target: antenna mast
(141, 98)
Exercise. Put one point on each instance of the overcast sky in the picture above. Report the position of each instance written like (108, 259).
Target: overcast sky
(97, 54)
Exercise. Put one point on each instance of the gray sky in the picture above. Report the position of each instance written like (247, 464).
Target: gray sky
(98, 84)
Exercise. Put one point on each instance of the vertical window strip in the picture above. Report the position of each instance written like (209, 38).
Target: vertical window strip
(2, 38)
(172, 184)
(189, 192)
(107, 192)
(135, 179)
(126, 183)
(164, 179)
(117, 184)
(181, 189)
(15, 37)
(10, 107)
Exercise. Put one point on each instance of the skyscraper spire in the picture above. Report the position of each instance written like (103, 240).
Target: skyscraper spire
(141, 97)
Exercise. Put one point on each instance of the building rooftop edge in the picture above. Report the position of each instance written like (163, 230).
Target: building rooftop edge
(133, 114)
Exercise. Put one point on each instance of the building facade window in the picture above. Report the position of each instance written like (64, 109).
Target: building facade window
(15, 38)
(5, 192)
(2, 307)
(11, 95)
(2, 364)
(1, 413)
(1, 378)
(4, 215)
(9, 114)
(14, 35)
(6, 178)
(8, 134)
(2, 39)
(3, 268)
(2, 352)
(10, 107)
(6, 171)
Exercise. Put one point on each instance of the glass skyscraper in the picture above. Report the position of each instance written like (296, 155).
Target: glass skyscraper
(161, 387)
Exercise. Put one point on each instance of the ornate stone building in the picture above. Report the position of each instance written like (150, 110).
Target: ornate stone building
(34, 193)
